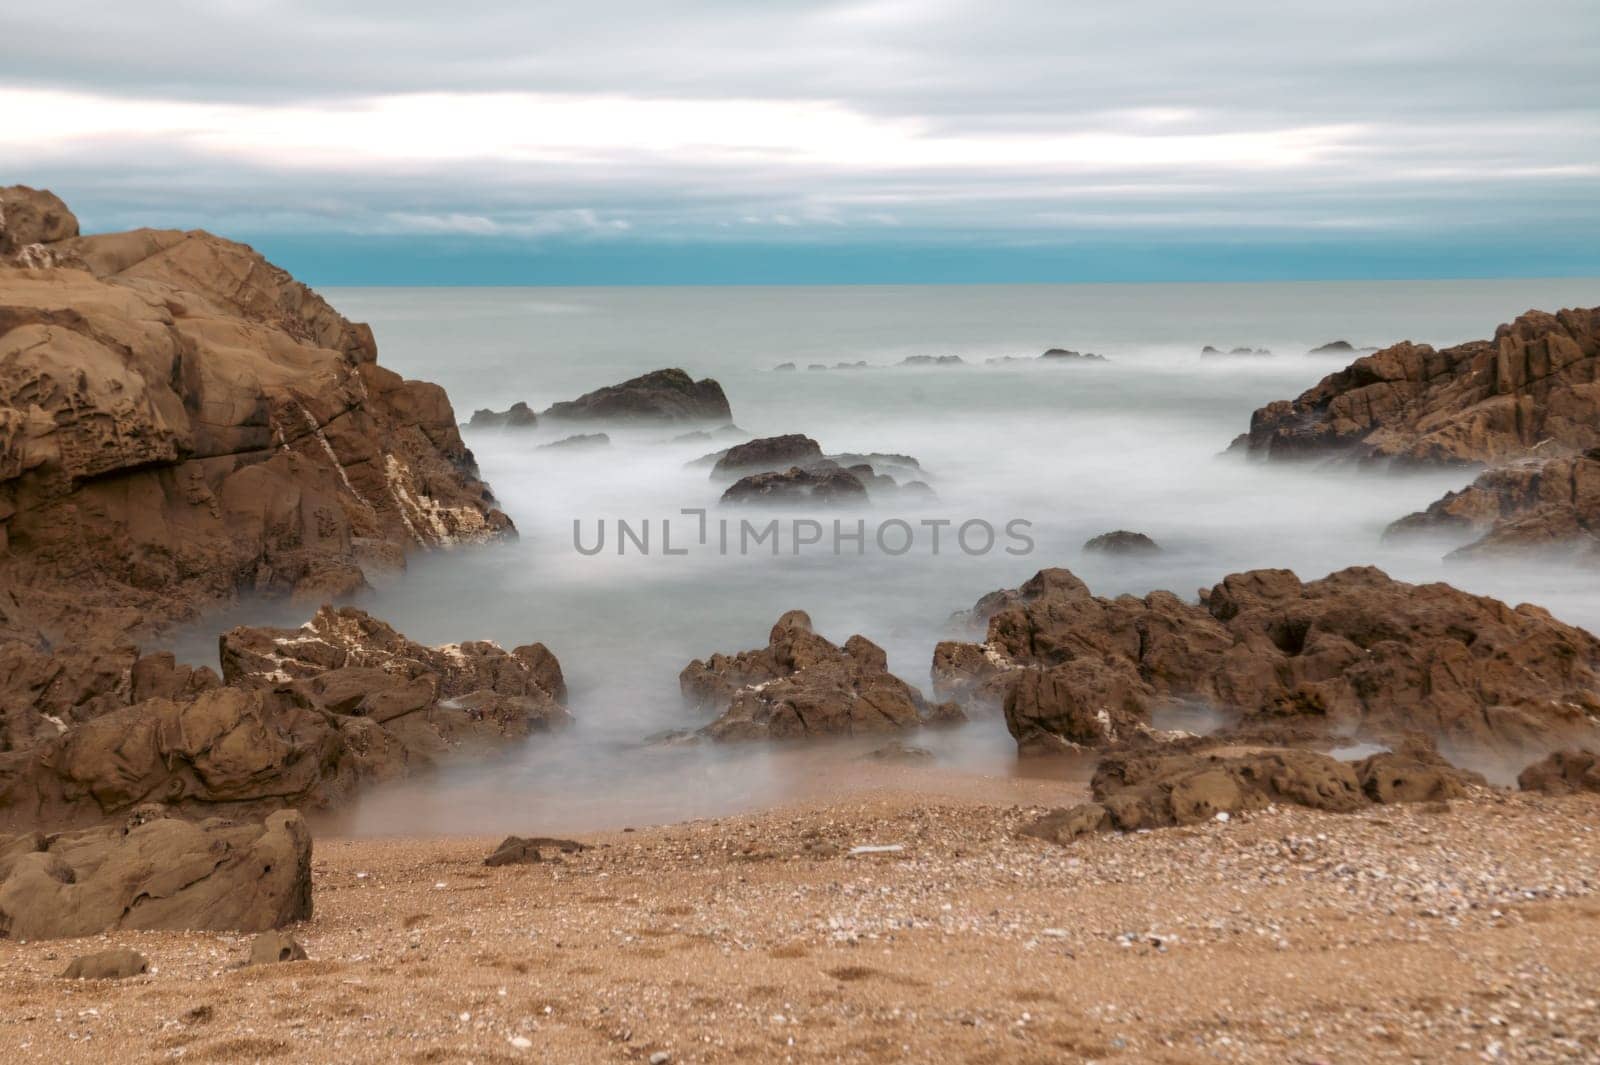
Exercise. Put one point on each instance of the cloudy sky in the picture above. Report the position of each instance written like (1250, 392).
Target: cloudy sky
(771, 140)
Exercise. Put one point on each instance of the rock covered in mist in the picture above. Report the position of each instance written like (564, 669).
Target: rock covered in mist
(1355, 653)
(1535, 385)
(766, 454)
(659, 396)
(157, 872)
(1068, 355)
(824, 483)
(185, 422)
(1212, 352)
(1339, 347)
(517, 416)
(932, 360)
(579, 442)
(1122, 542)
(1551, 506)
(801, 685)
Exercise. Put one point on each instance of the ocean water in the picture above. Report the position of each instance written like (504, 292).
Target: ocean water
(1072, 450)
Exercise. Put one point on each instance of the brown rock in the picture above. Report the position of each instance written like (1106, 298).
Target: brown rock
(181, 421)
(271, 948)
(1563, 773)
(1123, 542)
(524, 850)
(117, 964)
(767, 454)
(518, 416)
(1356, 653)
(30, 218)
(164, 873)
(802, 685)
(658, 396)
(1488, 401)
(823, 483)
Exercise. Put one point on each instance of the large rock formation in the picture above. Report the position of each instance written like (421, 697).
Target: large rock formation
(1355, 653)
(307, 716)
(801, 685)
(181, 421)
(517, 416)
(156, 873)
(658, 396)
(1526, 506)
(1535, 385)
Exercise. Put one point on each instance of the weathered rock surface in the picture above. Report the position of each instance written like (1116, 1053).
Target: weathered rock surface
(308, 716)
(525, 850)
(1523, 507)
(801, 685)
(658, 396)
(1122, 542)
(1565, 772)
(157, 873)
(517, 416)
(822, 483)
(1134, 792)
(1355, 653)
(181, 421)
(1535, 385)
(767, 454)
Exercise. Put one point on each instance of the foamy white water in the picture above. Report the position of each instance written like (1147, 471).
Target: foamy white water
(1074, 449)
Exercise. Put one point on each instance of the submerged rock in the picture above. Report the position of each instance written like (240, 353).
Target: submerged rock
(800, 685)
(1356, 653)
(579, 442)
(518, 416)
(1339, 347)
(933, 360)
(1068, 355)
(159, 873)
(658, 396)
(823, 483)
(1123, 542)
(766, 454)
(1486, 401)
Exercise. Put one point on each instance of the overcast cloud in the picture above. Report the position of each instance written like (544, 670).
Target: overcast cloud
(1019, 123)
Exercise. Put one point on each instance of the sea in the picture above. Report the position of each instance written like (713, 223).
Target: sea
(1027, 460)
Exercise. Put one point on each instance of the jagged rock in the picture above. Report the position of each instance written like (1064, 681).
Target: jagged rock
(181, 421)
(1488, 401)
(579, 442)
(160, 873)
(658, 396)
(1135, 792)
(117, 964)
(1123, 542)
(1565, 772)
(1525, 507)
(1355, 653)
(274, 948)
(767, 454)
(524, 850)
(801, 685)
(823, 483)
(518, 416)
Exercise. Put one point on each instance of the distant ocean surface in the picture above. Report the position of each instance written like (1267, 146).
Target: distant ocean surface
(1075, 449)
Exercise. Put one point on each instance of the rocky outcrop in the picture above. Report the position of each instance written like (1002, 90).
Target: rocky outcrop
(1535, 385)
(306, 717)
(823, 483)
(1355, 653)
(517, 416)
(1524, 507)
(156, 873)
(766, 454)
(1068, 355)
(1565, 772)
(801, 685)
(1212, 352)
(932, 360)
(181, 422)
(1136, 792)
(1338, 347)
(1122, 542)
(579, 442)
(659, 396)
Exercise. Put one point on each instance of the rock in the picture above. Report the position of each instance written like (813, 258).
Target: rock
(1067, 355)
(800, 685)
(933, 360)
(1551, 506)
(163, 873)
(273, 948)
(520, 850)
(1486, 401)
(1339, 347)
(1136, 792)
(817, 366)
(518, 416)
(697, 435)
(1565, 772)
(784, 367)
(899, 753)
(820, 484)
(579, 442)
(1355, 654)
(767, 454)
(658, 396)
(859, 364)
(182, 422)
(30, 218)
(1210, 352)
(118, 964)
(1123, 542)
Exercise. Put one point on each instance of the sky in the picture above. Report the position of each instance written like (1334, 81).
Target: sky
(772, 141)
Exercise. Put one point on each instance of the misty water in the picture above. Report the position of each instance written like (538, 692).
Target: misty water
(1074, 449)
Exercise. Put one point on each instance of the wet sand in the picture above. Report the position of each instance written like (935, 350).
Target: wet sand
(1465, 932)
